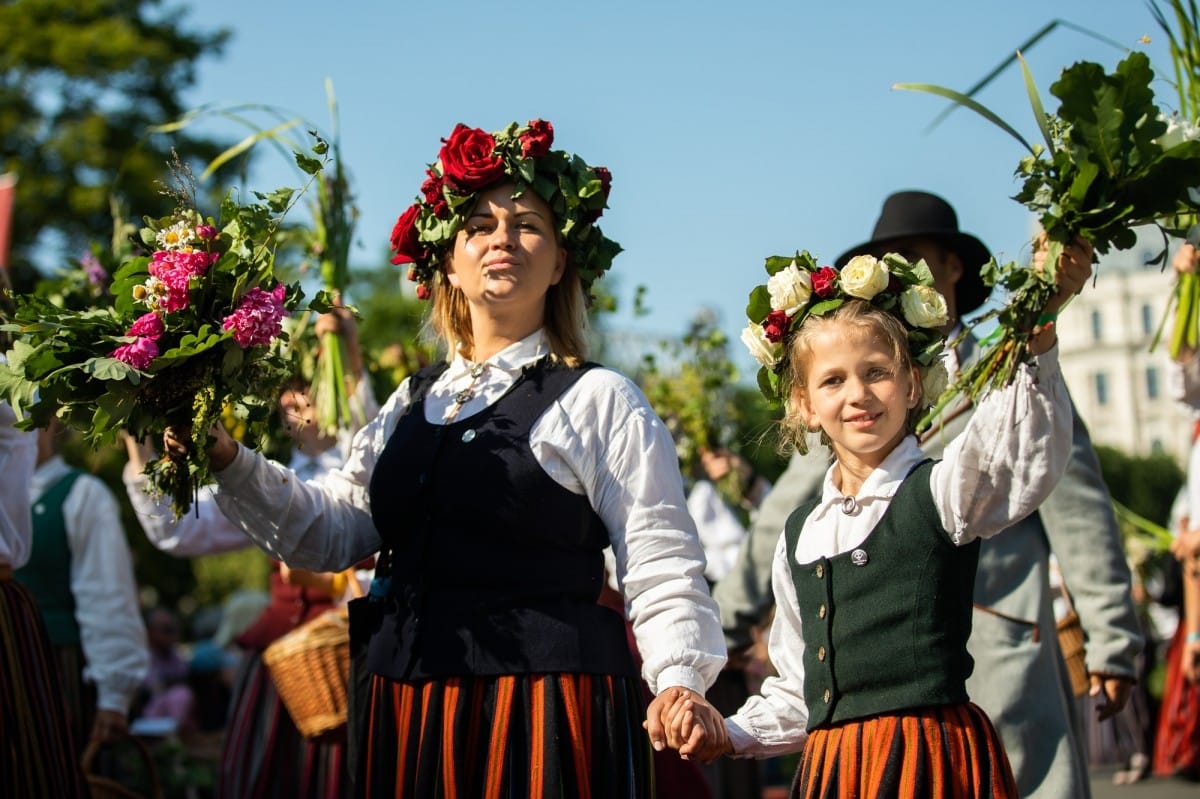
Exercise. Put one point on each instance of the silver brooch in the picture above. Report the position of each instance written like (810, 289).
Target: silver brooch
(849, 505)
(859, 557)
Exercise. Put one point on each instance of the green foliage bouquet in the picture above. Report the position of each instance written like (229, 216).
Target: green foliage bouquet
(1111, 160)
(190, 330)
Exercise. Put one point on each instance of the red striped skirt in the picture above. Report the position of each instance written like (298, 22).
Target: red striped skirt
(946, 752)
(37, 754)
(265, 756)
(527, 736)
(1176, 747)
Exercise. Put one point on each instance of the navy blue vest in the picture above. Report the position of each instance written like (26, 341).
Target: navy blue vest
(495, 567)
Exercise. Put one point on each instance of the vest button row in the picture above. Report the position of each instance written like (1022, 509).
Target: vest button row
(828, 695)
(821, 654)
(820, 570)
(821, 611)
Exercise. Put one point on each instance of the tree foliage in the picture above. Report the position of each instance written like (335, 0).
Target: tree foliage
(1147, 485)
(80, 82)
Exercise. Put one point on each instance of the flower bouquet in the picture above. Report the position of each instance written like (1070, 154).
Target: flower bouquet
(189, 332)
(1111, 161)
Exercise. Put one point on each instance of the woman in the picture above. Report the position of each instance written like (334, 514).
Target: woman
(38, 756)
(495, 481)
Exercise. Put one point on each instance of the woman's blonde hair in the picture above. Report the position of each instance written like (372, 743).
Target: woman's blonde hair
(867, 321)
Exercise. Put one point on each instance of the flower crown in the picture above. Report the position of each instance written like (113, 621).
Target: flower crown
(797, 289)
(472, 160)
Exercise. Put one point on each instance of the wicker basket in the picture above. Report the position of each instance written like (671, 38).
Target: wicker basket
(107, 788)
(1070, 641)
(311, 669)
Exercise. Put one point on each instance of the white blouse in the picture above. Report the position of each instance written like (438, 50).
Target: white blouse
(600, 439)
(18, 454)
(111, 632)
(997, 471)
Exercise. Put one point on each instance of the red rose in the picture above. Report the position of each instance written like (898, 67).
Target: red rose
(406, 239)
(468, 163)
(536, 141)
(431, 190)
(775, 326)
(823, 281)
(605, 178)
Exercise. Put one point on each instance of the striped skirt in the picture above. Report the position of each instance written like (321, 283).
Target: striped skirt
(526, 736)
(264, 756)
(947, 752)
(37, 754)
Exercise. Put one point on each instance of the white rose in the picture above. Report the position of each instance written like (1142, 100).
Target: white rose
(755, 339)
(923, 306)
(934, 380)
(789, 288)
(864, 276)
(1178, 132)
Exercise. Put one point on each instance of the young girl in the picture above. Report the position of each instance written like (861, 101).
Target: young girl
(873, 580)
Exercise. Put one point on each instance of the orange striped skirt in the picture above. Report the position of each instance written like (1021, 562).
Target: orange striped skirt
(526, 736)
(946, 752)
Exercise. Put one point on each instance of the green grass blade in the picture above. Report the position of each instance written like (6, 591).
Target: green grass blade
(967, 102)
(1035, 100)
(244, 145)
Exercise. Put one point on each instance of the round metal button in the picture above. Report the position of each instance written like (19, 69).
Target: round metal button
(827, 696)
(468, 436)
(821, 612)
(820, 570)
(859, 557)
(820, 653)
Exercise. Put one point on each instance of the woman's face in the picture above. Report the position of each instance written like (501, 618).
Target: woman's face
(856, 392)
(507, 255)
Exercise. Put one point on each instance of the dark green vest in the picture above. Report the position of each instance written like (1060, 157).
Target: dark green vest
(47, 575)
(886, 624)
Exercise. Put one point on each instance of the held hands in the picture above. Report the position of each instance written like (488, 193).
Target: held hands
(683, 720)
(1114, 693)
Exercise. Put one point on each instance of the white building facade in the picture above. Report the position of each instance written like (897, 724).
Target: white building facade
(1119, 384)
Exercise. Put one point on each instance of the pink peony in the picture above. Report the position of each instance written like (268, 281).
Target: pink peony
(206, 232)
(149, 325)
(259, 318)
(139, 354)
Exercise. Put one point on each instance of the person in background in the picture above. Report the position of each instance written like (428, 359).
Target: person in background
(875, 577)
(493, 482)
(1177, 735)
(80, 572)
(38, 755)
(168, 695)
(1019, 679)
(264, 755)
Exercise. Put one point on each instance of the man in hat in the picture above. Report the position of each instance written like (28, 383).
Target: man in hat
(1020, 679)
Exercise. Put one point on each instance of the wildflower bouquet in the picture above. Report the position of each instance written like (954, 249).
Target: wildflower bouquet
(189, 331)
(1112, 160)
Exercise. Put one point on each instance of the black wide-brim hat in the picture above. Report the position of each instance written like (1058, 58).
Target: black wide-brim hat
(906, 214)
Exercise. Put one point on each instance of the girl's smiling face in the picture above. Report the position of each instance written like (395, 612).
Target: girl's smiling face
(856, 391)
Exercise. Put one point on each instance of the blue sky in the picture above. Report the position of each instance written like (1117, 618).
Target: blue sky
(734, 131)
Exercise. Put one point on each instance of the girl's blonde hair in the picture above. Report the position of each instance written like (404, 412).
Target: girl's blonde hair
(867, 321)
(565, 319)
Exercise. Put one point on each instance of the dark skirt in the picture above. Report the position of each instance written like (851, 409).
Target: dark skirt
(265, 756)
(37, 754)
(524, 736)
(947, 752)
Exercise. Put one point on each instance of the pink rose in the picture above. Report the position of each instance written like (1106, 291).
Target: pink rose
(150, 325)
(406, 239)
(206, 232)
(468, 162)
(139, 354)
(536, 141)
(824, 282)
(775, 326)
